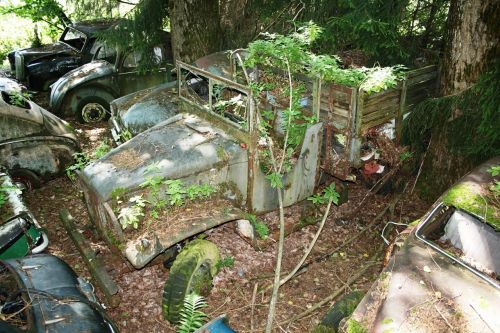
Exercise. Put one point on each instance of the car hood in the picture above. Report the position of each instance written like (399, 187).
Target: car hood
(34, 53)
(180, 149)
(146, 108)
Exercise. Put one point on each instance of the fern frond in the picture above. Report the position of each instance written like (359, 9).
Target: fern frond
(191, 316)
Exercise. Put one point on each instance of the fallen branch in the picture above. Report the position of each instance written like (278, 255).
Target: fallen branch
(253, 304)
(356, 236)
(339, 291)
(309, 249)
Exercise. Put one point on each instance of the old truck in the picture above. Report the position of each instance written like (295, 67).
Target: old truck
(209, 153)
(204, 148)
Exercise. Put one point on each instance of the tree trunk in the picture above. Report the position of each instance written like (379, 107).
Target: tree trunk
(471, 45)
(195, 28)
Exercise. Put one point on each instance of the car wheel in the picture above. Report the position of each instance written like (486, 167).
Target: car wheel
(25, 179)
(192, 272)
(342, 309)
(92, 109)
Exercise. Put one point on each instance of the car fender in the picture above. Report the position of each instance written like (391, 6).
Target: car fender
(88, 74)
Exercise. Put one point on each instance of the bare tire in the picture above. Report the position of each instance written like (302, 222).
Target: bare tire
(25, 179)
(93, 109)
(192, 272)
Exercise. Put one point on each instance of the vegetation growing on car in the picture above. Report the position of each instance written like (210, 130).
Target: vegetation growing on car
(261, 229)
(473, 199)
(161, 194)
(82, 159)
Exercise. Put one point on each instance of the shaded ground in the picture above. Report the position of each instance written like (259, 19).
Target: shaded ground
(140, 293)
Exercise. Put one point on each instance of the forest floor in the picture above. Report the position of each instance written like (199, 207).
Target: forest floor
(140, 291)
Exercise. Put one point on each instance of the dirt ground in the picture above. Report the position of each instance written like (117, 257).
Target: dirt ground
(140, 291)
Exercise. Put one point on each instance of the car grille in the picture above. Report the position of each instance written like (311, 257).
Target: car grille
(20, 70)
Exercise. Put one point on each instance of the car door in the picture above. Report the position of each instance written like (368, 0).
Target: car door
(131, 80)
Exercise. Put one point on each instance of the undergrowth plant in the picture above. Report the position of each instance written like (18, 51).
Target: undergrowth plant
(191, 315)
(227, 261)
(131, 215)
(82, 159)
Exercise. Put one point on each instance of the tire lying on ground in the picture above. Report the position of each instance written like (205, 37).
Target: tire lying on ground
(341, 310)
(192, 272)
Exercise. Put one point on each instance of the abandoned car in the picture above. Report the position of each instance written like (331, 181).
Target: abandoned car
(445, 274)
(35, 145)
(136, 112)
(41, 293)
(86, 92)
(206, 148)
(40, 66)
(20, 232)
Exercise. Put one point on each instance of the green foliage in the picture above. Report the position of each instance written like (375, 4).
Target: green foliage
(405, 156)
(275, 179)
(354, 326)
(202, 191)
(125, 135)
(494, 170)
(294, 52)
(227, 261)
(191, 316)
(328, 193)
(140, 31)
(132, 214)
(102, 149)
(175, 191)
(470, 120)
(19, 98)
(82, 159)
(49, 11)
(259, 226)
(3, 193)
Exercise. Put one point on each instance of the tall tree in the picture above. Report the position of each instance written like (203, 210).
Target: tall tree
(466, 116)
(195, 28)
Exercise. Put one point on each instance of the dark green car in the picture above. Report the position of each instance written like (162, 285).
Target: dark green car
(20, 233)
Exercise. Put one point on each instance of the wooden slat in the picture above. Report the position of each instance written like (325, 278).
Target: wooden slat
(388, 113)
(388, 94)
(394, 102)
(94, 263)
(422, 78)
(416, 72)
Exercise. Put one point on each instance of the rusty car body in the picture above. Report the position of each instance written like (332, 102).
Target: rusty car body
(138, 111)
(86, 91)
(40, 66)
(35, 145)
(20, 233)
(445, 275)
(41, 293)
(199, 145)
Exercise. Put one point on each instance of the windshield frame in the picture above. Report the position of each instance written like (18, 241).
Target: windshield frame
(65, 32)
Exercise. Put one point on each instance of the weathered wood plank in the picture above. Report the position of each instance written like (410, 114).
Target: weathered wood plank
(401, 112)
(378, 98)
(422, 78)
(426, 69)
(94, 263)
(394, 103)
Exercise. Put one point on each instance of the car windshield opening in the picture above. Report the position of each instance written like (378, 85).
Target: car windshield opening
(466, 238)
(74, 38)
(12, 304)
(216, 96)
(16, 99)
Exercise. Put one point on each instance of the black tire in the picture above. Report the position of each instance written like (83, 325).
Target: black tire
(25, 179)
(92, 109)
(193, 271)
(343, 308)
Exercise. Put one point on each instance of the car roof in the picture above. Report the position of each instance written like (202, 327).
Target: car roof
(92, 26)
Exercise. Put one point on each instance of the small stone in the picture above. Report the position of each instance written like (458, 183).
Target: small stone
(245, 229)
